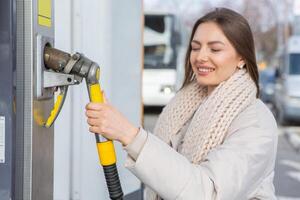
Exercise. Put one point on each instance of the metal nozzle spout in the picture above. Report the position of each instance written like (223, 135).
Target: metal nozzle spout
(55, 59)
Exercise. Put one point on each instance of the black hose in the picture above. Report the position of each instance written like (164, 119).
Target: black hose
(113, 182)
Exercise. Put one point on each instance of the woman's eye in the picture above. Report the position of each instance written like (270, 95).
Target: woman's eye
(195, 48)
(215, 50)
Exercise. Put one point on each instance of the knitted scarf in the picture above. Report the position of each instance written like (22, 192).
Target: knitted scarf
(211, 116)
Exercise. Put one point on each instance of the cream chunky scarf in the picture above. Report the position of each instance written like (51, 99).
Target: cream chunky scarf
(211, 115)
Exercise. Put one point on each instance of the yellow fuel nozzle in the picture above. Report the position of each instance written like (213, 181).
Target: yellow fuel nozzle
(76, 65)
(81, 67)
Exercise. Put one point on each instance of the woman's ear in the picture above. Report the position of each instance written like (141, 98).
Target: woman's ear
(241, 64)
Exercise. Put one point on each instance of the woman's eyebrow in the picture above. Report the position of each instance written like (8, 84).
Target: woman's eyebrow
(195, 41)
(215, 42)
(209, 43)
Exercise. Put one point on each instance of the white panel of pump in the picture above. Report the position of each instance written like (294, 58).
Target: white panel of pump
(109, 33)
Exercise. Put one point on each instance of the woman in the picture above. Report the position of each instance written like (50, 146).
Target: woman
(215, 139)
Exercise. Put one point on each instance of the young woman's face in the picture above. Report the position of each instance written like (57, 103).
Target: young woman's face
(212, 57)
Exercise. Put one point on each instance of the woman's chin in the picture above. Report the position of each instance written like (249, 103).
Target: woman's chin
(200, 81)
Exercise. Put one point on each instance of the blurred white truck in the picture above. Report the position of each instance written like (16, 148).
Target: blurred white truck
(163, 57)
(287, 90)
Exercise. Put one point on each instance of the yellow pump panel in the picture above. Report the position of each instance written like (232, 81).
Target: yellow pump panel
(44, 13)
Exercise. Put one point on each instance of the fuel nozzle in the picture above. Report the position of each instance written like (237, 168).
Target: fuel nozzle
(76, 64)
(81, 67)
(64, 70)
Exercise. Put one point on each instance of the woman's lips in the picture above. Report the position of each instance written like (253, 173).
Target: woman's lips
(204, 71)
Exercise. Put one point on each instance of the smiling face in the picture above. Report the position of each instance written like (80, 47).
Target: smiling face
(213, 58)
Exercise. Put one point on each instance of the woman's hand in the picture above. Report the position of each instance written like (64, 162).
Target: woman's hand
(105, 120)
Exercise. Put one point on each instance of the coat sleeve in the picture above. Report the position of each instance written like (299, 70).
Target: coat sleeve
(135, 147)
(231, 171)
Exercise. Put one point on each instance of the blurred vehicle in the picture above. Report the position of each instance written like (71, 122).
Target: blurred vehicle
(287, 89)
(267, 82)
(162, 53)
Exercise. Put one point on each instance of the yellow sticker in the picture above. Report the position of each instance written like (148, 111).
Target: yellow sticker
(44, 13)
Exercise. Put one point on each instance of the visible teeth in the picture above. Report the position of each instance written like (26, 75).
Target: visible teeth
(205, 69)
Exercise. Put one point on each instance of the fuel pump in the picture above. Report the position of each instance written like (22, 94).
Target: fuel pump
(62, 70)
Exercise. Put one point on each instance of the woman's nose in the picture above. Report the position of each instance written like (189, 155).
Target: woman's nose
(202, 55)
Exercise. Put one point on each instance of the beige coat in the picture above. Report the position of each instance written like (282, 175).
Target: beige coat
(242, 168)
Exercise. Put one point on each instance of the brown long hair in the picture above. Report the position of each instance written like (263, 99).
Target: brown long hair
(237, 30)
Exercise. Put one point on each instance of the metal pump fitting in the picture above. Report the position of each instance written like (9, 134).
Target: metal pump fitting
(77, 65)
